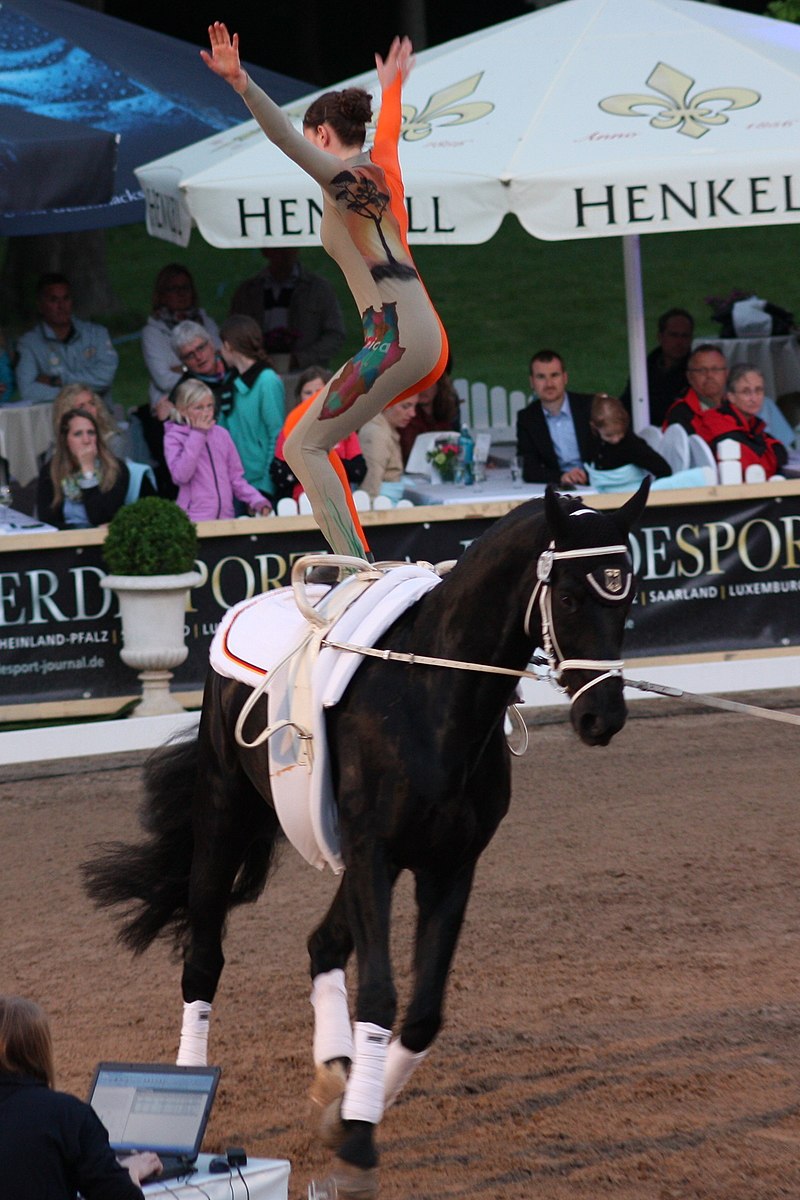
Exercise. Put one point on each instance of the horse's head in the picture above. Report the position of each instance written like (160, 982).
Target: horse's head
(584, 591)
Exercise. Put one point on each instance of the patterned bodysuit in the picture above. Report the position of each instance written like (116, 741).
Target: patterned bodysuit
(364, 229)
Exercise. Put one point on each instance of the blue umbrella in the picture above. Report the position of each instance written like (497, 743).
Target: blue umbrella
(85, 98)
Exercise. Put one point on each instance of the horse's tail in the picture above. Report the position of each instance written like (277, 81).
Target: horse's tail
(151, 878)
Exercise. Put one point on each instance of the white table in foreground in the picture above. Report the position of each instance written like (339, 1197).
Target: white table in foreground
(266, 1179)
(497, 486)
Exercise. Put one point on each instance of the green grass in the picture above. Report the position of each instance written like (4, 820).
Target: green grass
(499, 301)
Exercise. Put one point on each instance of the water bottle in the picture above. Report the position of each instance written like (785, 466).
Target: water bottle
(466, 456)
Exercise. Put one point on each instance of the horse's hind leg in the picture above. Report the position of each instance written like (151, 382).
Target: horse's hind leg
(234, 832)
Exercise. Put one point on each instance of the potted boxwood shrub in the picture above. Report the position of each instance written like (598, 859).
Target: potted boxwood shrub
(150, 551)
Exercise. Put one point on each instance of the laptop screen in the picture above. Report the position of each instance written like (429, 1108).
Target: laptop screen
(154, 1107)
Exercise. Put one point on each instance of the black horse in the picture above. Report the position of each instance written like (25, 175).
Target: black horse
(422, 781)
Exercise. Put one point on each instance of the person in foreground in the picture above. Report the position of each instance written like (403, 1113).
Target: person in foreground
(83, 484)
(52, 1145)
(364, 229)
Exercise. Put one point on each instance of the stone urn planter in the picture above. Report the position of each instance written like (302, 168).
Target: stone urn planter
(153, 612)
(150, 551)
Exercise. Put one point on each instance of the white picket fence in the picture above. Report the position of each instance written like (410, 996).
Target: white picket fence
(490, 409)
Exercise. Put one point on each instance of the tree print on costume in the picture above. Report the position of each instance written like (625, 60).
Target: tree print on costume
(360, 192)
(380, 351)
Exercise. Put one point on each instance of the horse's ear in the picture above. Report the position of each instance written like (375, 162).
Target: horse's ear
(632, 509)
(555, 516)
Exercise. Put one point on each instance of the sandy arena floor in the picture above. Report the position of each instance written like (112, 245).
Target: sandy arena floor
(624, 1011)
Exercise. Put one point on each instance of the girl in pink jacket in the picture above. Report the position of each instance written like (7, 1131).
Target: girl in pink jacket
(203, 460)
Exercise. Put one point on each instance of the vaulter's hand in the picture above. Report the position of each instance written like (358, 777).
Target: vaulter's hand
(400, 59)
(224, 57)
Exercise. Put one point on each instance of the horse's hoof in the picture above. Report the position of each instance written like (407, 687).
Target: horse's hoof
(330, 1127)
(345, 1182)
(329, 1083)
(326, 1093)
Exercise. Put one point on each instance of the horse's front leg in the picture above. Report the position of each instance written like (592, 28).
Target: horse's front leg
(366, 895)
(441, 903)
(329, 948)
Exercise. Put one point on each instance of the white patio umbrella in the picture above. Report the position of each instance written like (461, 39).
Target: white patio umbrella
(591, 118)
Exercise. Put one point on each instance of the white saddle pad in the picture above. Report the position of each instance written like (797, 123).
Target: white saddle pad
(253, 644)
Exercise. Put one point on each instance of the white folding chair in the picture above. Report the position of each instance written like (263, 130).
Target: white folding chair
(674, 447)
(361, 500)
(701, 454)
(755, 473)
(381, 503)
(303, 504)
(286, 507)
(404, 503)
(652, 435)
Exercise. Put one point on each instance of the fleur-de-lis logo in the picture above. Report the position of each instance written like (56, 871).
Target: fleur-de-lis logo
(690, 116)
(445, 108)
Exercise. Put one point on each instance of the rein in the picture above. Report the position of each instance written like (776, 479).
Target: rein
(551, 656)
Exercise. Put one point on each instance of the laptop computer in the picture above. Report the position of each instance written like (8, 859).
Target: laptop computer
(150, 1106)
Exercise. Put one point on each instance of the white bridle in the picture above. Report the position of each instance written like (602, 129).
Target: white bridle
(542, 592)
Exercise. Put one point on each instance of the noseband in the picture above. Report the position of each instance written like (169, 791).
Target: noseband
(615, 589)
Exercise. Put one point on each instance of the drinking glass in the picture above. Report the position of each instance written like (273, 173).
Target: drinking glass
(6, 500)
(516, 471)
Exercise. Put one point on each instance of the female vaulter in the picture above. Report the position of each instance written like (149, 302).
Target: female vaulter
(364, 229)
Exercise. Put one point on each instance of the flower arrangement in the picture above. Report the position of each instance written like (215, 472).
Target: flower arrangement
(443, 456)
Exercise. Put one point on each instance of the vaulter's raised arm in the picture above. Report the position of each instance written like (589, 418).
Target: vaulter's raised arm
(224, 61)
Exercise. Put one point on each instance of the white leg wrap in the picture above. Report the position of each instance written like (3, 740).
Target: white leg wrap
(400, 1066)
(363, 1099)
(333, 1033)
(193, 1050)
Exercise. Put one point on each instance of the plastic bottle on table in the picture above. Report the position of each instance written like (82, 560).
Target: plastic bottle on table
(466, 456)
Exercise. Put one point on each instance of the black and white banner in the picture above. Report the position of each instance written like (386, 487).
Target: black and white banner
(712, 577)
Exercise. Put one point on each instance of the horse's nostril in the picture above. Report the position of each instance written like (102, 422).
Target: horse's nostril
(598, 730)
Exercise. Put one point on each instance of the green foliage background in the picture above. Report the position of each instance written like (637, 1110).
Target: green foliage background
(500, 301)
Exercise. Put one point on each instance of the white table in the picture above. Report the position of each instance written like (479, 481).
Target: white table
(13, 522)
(497, 486)
(777, 358)
(266, 1179)
(26, 434)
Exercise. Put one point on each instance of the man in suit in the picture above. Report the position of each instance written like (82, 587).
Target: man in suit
(553, 432)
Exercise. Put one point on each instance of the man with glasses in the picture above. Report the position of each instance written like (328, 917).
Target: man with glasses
(707, 373)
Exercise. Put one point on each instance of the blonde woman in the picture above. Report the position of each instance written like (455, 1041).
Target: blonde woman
(203, 460)
(80, 395)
